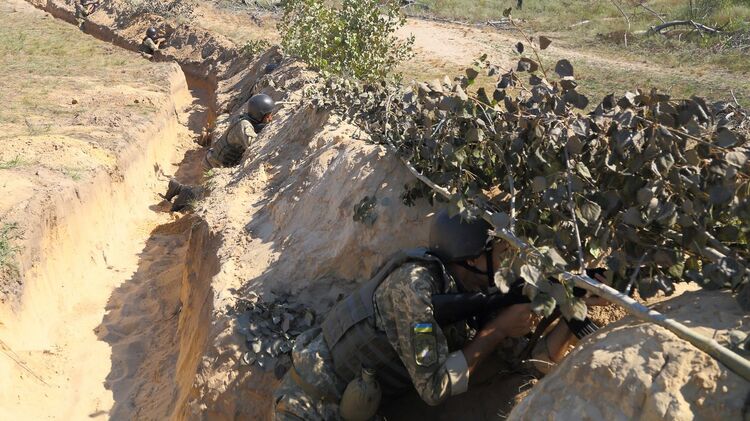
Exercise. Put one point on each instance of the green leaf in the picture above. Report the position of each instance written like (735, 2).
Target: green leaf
(589, 212)
(500, 220)
(583, 170)
(471, 74)
(502, 282)
(538, 184)
(573, 308)
(544, 42)
(543, 304)
(531, 274)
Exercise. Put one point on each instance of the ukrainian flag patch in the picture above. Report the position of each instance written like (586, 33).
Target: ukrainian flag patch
(423, 328)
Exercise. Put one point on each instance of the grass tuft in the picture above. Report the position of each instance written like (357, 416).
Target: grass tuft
(13, 163)
(8, 232)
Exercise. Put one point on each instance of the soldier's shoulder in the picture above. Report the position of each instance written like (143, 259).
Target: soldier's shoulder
(414, 275)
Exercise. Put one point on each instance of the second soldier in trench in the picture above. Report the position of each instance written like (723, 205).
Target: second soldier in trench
(227, 150)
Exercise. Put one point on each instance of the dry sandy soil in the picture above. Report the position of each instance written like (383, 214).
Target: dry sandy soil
(92, 131)
(124, 312)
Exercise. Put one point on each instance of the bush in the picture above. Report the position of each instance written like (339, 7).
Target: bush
(355, 40)
(254, 47)
(169, 9)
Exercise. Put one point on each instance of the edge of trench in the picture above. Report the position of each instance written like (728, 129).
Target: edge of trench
(106, 201)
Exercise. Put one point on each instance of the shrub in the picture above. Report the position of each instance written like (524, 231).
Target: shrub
(169, 9)
(254, 47)
(355, 40)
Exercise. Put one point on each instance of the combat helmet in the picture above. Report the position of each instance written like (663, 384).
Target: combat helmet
(260, 106)
(151, 32)
(454, 239)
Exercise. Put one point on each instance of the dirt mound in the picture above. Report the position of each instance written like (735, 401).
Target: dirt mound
(285, 218)
(637, 371)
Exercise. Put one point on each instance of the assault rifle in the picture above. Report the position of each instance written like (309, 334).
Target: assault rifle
(480, 306)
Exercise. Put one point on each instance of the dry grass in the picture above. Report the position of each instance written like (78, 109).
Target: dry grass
(8, 232)
(41, 58)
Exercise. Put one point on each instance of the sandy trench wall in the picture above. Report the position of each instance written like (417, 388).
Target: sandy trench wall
(638, 371)
(281, 221)
(285, 217)
(56, 218)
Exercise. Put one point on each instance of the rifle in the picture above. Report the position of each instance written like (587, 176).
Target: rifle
(452, 308)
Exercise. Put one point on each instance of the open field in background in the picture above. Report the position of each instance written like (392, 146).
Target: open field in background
(65, 98)
(40, 60)
(681, 64)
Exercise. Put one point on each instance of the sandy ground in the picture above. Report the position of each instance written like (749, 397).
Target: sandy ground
(96, 334)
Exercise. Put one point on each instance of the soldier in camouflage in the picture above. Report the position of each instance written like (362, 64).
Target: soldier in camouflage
(388, 324)
(84, 8)
(228, 149)
(151, 43)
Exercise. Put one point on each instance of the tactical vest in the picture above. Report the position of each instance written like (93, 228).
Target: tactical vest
(354, 341)
(228, 149)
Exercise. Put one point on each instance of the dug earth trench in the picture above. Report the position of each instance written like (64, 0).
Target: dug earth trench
(140, 316)
(92, 301)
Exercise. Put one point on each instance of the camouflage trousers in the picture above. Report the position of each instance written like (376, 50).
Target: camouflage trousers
(312, 369)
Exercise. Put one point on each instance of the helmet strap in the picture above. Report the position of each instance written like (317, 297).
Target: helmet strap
(489, 273)
(490, 268)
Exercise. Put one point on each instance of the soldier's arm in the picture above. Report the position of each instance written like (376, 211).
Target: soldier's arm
(405, 314)
(248, 133)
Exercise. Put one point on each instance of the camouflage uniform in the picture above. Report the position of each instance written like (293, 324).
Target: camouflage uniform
(227, 150)
(403, 304)
(148, 46)
(82, 10)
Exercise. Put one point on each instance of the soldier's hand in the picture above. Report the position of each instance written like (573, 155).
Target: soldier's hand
(515, 321)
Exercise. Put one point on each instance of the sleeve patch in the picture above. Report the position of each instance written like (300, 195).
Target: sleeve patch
(425, 345)
(423, 328)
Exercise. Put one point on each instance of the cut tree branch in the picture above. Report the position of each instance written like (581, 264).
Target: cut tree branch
(699, 26)
(733, 361)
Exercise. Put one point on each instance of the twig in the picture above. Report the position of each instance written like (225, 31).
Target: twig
(731, 91)
(699, 26)
(634, 275)
(627, 19)
(571, 208)
(734, 362)
(689, 136)
(16, 359)
(643, 5)
(531, 44)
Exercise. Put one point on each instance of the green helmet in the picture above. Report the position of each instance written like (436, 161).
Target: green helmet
(454, 239)
(259, 106)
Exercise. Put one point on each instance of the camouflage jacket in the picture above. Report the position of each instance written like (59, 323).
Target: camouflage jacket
(404, 312)
(227, 151)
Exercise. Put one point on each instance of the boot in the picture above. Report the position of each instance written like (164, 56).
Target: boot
(186, 198)
(173, 190)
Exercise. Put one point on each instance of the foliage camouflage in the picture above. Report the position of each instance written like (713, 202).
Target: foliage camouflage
(658, 188)
(184, 9)
(355, 40)
(254, 47)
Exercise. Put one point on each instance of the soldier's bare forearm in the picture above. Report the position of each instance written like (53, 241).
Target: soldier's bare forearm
(484, 344)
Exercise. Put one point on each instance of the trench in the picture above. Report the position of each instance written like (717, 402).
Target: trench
(112, 319)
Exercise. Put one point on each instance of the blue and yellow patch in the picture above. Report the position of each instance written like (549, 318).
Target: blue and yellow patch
(423, 328)
(425, 345)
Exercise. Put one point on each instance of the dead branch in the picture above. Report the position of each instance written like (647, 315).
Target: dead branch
(698, 26)
(653, 12)
(732, 360)
(627, 20)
